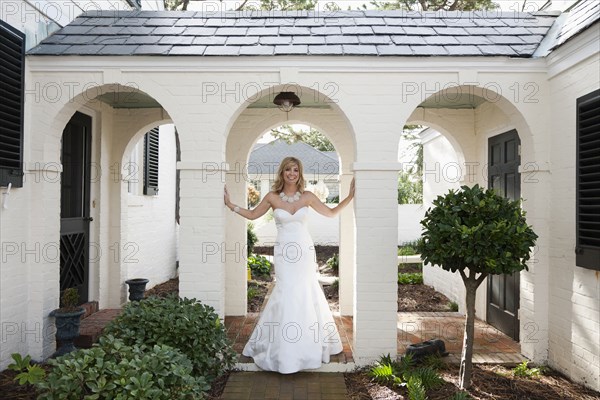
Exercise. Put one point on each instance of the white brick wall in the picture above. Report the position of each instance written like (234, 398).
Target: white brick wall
(574, 337)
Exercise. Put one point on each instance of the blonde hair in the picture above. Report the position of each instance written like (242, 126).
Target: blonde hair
(279, 181)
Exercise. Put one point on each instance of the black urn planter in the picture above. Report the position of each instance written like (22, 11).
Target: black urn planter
(67, 329)
(423, 349)
(137, 287)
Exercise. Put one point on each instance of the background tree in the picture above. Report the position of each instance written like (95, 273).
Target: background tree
(433, 5)
(410, 179)
(477, 233)
(312, 137)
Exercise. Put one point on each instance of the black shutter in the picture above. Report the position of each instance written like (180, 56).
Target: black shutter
(12, 66)
(151, 162)
(588, 181)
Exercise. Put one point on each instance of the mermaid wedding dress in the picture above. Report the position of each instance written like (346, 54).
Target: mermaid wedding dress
(296, 330)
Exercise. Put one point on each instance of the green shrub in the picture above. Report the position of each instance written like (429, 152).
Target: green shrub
(334, 263)
(251, 237)
(391, 372)
(185, 324)
(524, 371)
(416, 390)
(112, 370)
(428, 377)
(259, 265)
(27, 373)
(453, 306)
(252, 293)
(408, 249)
(415, 278)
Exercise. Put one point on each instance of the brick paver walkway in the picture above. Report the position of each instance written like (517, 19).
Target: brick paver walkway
(299, 386)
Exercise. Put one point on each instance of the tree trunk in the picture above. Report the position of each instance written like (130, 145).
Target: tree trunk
(466, 361)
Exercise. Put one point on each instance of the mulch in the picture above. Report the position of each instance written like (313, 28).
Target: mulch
(11, 390)
(488, 382)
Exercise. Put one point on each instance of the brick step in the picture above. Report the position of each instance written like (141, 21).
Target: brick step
(91, 327)
(90, 308)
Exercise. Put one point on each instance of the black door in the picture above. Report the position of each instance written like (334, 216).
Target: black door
(74, 205)
(503, 176)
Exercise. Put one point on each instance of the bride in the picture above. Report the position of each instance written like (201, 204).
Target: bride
(296, 330)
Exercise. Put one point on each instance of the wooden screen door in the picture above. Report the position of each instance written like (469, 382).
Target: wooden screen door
(503, 176)
(75, 205)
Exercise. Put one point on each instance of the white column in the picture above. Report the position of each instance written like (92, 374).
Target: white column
(203, 248)
(347, 245)
(376, 290)
(236, 282)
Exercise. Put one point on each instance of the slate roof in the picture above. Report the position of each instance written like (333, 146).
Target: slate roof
(582, 15)
(267, 33)
(265, 159)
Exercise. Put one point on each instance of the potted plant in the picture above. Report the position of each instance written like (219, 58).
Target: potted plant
(68, 319)
(137, 287)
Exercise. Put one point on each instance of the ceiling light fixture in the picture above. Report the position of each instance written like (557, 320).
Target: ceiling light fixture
(286, 101)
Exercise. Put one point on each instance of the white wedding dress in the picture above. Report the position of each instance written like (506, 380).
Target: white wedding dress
(296, 330)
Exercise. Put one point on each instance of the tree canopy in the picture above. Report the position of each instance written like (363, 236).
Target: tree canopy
(292, 5)
(476, 229)
(312, 137)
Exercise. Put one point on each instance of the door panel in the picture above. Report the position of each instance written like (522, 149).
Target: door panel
(74, 205)
(504, 178)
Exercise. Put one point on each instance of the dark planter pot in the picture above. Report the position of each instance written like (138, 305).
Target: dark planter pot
(67, 329)
(423, 349)
(137, 287)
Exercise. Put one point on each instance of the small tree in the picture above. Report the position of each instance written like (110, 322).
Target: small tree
(477, 233)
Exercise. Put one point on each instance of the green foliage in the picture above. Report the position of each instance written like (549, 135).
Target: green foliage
(416, 390)
(428, 377)
(434, 5)
(259, 265)
(334, 263)
(476, 229)
(312, 137)
(19, 363)
(333, 200)
(415, 278)
(252, 293)
(460, 396)
(28, 374)
(433, 361)
(410, 189)
(112, 370)
(391, 372)
(251, 237)
(185, 324)
(69, 300)
(524, 371)
(282, 5)
(408, 249)
(453, 306)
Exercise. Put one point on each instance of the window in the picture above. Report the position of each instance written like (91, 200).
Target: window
(588, 181)
(12, 64)
(151, 162)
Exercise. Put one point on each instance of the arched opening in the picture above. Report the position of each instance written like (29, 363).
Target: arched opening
(252, 162)
(474, 136)
(103, 252)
